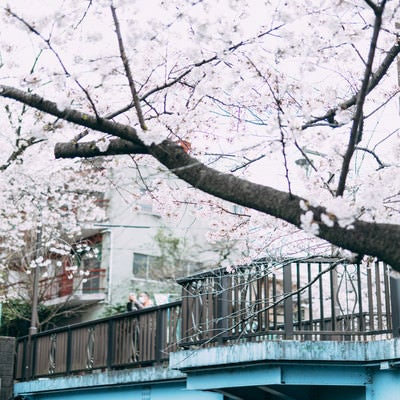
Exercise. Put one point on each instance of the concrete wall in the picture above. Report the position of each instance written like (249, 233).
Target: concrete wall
(7, 346)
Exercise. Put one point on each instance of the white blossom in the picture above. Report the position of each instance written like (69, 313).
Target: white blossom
(308, 223)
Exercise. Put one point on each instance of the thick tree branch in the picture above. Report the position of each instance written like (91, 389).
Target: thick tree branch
(90, 149)
(98, 124)
(374, 239)
(380, 240)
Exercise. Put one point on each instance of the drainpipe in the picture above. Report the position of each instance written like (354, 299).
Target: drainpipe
(110, 266)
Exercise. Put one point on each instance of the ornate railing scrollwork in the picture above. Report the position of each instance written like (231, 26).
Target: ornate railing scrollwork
(90, 348)
(52, 353)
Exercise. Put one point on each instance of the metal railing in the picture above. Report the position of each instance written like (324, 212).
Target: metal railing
(317, 299)
(61, 285)
(137, 338)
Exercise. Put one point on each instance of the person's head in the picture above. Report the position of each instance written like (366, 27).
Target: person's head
(132, 297)
(144, 299)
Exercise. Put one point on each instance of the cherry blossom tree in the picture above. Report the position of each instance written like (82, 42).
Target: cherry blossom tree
(286, 109)
(44, 209)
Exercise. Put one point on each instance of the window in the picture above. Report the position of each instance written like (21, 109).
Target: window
(90, 263)
(91, 283)
(151, 267)
(142, 265)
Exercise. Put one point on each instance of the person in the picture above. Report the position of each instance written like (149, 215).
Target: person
(139, 303)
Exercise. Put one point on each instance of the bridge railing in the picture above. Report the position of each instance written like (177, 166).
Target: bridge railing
(137, 338)
(317, 299)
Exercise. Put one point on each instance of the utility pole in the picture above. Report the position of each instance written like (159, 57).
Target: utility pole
(34, 315)
(35, 288)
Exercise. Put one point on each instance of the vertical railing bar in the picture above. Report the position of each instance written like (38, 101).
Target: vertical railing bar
(69, 350)
(388, 307)
(298, 283)
(159, 336)
(370, 300)
(267, 299)
(333, 289)
(395, 303)
(110, 343)
(378, 295)
(288, 302)
(274, 308)
(25, 359)
(310, 301)
(210, 320)
(260, 298)
(229, 305)
(34, 348)
(222, 309)
(321, 300)
(361, 324)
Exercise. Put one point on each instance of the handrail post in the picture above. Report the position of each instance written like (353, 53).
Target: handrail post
(69, 351)
(110, 343)
(222, 309)
(288, 302)
(25, 359)
(160, 332)
(395, 303)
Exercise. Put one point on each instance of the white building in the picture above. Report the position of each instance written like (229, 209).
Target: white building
(129, 258)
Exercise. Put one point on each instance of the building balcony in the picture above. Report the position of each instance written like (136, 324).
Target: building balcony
(73, 290)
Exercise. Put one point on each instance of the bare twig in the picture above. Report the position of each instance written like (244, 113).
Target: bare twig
(51, 48)
(189, 69)
(378, 160)
(128, 72)
(376, 77)
(246, 164)
(84, 14)
(19, 151)
(283, 143)
(356, 129)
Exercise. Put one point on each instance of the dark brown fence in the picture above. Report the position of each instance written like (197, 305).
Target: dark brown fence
(315, 300)
(137, 338)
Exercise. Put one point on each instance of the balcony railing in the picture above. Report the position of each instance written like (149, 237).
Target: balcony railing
(60, 286)
(313, 300)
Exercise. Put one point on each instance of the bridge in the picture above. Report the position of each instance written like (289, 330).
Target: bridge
(313, 329)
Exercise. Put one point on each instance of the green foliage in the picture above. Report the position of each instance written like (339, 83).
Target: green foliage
(170, 262)
(113, 309)
(16, 315)
(177, 257)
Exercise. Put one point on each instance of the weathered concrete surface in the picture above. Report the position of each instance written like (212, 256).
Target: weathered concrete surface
(281, 351)
(296, 370)
(101, 379)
